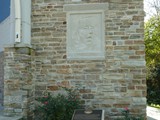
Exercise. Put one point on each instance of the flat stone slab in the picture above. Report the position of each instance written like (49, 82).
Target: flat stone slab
(153, 113)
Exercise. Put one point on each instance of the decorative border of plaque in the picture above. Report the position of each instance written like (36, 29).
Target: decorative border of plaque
(85, 32)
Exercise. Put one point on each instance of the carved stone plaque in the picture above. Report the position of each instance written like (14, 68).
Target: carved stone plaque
(95, 115)
(85, 35)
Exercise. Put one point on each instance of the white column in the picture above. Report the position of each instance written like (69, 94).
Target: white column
(17, 5)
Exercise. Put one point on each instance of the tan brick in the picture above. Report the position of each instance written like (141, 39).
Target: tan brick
(52, 88)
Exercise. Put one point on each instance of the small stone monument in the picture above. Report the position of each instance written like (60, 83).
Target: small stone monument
(88, 113)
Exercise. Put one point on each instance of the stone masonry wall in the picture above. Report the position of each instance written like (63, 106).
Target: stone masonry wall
(1, 78)
(110, 84)
(18, 86)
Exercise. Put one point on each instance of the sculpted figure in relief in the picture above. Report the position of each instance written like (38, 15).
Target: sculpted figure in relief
(85, 37)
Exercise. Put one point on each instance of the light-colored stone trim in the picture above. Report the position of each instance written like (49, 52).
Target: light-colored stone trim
(83, 7)
(18, 45)
(85, 10)
(76, 0)
(86, 54)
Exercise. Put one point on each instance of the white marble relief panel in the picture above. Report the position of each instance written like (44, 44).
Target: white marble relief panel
(85, 35)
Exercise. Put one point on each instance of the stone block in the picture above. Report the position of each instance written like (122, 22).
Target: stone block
(134, 93)
(13, 99)
(88, 96)
(18, 110)
(139, 101)
(133, 63)
(23, 51)
(52, 88)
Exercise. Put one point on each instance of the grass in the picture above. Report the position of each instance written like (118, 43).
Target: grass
(155, 105)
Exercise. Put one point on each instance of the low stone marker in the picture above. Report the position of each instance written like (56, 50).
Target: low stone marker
(94, 115)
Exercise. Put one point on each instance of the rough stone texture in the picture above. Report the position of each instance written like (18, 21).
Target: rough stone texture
(111, 84)
(1, 78)
(18, 86)
(2, 117)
